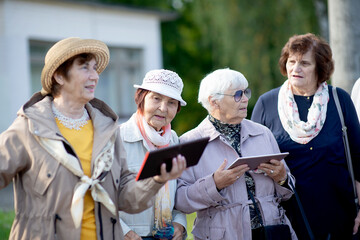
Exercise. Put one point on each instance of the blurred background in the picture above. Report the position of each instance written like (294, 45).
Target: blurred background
(190, 37)
(248, 36)
(243, 35)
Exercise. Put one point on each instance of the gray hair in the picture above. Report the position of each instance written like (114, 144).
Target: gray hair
(218, 82)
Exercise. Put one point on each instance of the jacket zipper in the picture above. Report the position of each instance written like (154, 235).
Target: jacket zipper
(57, 217)
(113, 221)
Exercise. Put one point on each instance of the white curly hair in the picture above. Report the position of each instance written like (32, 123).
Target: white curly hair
(218, 82)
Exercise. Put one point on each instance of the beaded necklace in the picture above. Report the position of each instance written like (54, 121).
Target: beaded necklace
(71, 123)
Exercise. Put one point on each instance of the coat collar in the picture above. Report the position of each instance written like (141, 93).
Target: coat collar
(40, 117)
(95, 103)
(248, 129)
(130, 130)
(130, 133)
(42, 122)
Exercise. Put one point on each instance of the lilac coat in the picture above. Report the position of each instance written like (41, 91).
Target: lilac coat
(225, 214)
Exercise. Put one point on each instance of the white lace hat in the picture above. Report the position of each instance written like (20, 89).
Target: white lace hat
(165, 82)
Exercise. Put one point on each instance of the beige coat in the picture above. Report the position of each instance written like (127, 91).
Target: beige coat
(44, 188)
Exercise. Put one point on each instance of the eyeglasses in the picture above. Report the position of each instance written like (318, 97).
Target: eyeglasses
(239, 94)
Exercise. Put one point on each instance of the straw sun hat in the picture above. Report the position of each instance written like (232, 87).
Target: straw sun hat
(66, 49)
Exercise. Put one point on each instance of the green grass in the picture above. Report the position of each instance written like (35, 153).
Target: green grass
(190, 221)
(6, 219)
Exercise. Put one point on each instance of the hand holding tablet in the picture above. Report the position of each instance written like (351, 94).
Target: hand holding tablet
(254, 161)
(191, 150)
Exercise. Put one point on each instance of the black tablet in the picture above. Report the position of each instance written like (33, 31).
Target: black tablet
(191, 150)
(254, 161)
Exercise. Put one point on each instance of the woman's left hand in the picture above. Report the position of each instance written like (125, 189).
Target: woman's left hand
(178, 231)
(357, 223)
(275, 169)
(178, 166)
(357, 219)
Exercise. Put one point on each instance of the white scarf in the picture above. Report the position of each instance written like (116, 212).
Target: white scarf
(102, 164)
(300, 131)
(155, 137)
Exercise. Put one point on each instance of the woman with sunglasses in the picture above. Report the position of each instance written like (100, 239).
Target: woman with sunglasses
(221, 197)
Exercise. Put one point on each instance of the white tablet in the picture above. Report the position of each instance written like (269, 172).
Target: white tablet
(254, 161)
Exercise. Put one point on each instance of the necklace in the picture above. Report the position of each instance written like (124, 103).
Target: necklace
(71, 123)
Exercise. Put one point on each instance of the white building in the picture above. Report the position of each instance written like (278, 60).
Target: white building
(29, 28)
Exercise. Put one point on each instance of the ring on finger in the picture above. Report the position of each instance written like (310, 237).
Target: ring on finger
(237, 177)
(271, 171)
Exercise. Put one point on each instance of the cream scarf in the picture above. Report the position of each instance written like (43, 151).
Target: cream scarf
(102, 165)
(300, 131)
(153, 138)
(163, 228)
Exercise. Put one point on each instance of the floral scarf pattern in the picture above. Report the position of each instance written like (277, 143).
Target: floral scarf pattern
(230, 131)
(102, 165)
(300, 131)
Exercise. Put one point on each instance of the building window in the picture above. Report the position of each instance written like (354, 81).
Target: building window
(115, 85)
(37, 59)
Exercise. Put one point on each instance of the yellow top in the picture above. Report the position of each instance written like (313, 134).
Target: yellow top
(82, 141)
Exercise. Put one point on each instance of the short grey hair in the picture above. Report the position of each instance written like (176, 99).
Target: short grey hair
(218, 82)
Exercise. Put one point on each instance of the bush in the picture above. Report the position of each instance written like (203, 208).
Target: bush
(6, 219)
(190, 221)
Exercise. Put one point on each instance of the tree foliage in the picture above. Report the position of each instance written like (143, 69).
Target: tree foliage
(244, 35)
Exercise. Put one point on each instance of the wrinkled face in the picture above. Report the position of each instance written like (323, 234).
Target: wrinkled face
(159, 110)
(230, 111)
(81, 82)
(301, 71)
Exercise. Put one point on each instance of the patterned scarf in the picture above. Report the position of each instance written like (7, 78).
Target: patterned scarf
(163, 228)
(230, 131)
(102, 165)
(300, 131)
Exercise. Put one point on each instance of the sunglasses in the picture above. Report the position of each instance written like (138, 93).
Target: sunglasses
(239, 94)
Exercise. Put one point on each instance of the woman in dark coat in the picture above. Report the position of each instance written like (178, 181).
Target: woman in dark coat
(303, 117)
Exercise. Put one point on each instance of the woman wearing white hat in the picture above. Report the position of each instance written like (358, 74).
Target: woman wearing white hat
(158, 100)
(64, 155)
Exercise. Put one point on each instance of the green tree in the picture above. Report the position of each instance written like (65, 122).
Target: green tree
(244, 35)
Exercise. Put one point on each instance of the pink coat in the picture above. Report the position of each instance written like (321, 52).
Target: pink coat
(225, 214)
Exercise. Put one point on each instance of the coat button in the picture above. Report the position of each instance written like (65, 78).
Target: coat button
(117, 180)
(311, 148)
(49, 175)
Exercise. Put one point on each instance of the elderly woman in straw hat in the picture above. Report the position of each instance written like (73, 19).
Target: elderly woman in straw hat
(64, 154)
(158, 100)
